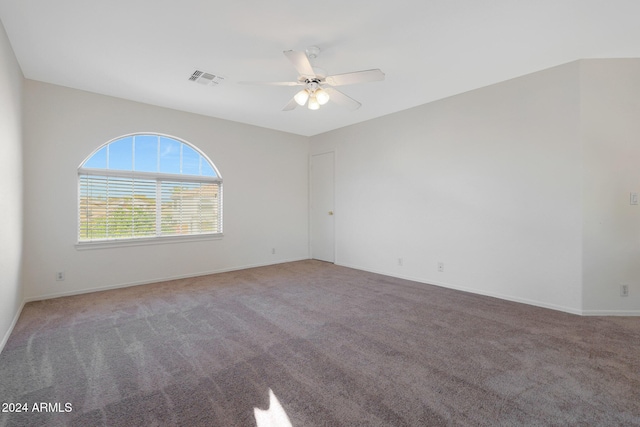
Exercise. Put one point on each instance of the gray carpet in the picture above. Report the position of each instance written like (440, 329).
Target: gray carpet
(338, 347)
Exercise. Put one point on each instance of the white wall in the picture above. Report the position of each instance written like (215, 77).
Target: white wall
(11, 194)
(487, 182)
(611, 133)
(265, 193)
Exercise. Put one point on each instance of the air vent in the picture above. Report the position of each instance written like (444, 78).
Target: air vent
(195, 75)
(206, 79)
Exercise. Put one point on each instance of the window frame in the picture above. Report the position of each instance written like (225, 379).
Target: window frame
(159, 177)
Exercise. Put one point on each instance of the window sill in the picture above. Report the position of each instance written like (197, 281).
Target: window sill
(145, 241)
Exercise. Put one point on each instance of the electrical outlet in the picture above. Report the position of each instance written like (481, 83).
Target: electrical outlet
(60, 276)
(400, 262)
(624, 290)
(441, 267)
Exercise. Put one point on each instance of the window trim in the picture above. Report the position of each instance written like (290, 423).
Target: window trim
(148, 175)
(146, 241)
(158, 177)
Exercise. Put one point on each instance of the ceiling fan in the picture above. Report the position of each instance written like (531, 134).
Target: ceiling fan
(317, 87)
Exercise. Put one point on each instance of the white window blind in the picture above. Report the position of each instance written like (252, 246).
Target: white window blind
(116, 207)
(118, 202)
(189, 207)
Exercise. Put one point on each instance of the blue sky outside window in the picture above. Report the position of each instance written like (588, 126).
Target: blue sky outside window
(146, 153)
(169, 155)
(207, 170)
(190, 161)
(98, 160)
(151, 153)
(120, 155)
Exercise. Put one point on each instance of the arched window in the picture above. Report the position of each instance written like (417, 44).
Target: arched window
(148, 186)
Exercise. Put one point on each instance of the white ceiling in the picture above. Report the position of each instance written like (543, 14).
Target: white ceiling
(145, 50)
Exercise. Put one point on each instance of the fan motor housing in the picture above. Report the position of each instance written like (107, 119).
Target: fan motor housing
(312, 84)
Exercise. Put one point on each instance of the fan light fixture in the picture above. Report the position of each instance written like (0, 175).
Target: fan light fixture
(314, 94)
(313, 103)
(322, 96)
(301, 97)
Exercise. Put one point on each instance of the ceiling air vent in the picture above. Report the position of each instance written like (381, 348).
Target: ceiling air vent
(206, 79)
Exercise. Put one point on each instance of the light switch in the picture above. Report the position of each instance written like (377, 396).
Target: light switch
(634, 198)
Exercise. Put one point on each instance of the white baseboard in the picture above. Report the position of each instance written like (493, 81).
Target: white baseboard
(155, 280)
(611, 312)
(542, 304)
(13, 325)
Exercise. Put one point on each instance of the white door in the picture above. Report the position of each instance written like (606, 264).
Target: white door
(322, 215)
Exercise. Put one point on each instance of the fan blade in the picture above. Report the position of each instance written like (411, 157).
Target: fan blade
(290, 105)
(340, 98)
(355, 77)
(272, 83)
(301, 62)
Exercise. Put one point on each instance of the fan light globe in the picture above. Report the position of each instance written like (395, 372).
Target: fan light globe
(322, 96)
(301, 97)
(313, 103)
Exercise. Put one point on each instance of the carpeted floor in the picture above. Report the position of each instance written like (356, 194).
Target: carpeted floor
(338, 347)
